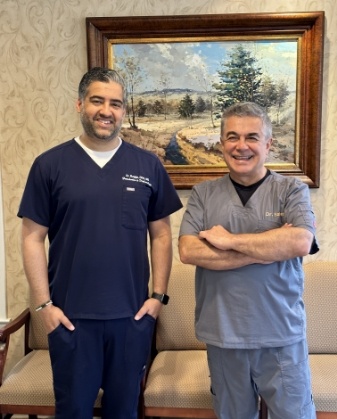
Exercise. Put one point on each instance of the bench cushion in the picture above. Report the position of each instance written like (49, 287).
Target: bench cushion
(179, 379)
(30, 382)
(324, 381)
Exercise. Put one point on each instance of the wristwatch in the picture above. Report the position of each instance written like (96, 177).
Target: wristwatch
(163, 298)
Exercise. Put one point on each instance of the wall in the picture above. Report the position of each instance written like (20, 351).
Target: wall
(3, 305)
(43, 56)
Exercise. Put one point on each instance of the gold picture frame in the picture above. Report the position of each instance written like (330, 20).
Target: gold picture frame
(306, 30)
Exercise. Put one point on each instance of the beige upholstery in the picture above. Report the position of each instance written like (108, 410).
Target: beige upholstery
(37, 336)
(175, 326)
(179, 376)
(27, 388)
(31, 378)
(320, 297)
(179, 379)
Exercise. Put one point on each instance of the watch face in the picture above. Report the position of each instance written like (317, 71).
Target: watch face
(163, 298)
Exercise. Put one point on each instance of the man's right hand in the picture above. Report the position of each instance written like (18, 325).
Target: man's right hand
(52, 317)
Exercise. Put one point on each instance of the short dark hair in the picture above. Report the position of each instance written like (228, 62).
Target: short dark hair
(104, 75)
(252, 109)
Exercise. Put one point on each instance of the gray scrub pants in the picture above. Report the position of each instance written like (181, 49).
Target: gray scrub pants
(280, 375)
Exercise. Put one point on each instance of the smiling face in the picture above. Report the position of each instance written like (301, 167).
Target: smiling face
(245, 148)
(102, 112)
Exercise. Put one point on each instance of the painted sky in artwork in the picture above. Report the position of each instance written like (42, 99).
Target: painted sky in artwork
(192, 64)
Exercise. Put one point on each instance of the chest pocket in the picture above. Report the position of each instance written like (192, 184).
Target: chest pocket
(135, 206)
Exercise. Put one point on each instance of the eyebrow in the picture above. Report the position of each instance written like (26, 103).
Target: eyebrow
(103, 98)
(248, 135)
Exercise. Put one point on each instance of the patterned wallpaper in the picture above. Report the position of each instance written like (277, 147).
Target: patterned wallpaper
(43, 56)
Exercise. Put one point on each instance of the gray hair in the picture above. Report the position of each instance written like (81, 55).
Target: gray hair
(242, 109)
(104, 75)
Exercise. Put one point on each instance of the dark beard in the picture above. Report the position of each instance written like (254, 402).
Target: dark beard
(92, 133)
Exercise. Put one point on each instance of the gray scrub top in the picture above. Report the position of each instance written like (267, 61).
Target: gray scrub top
(257, 305)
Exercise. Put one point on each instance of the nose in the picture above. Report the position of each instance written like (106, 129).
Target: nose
(241, 143)
(105, 108)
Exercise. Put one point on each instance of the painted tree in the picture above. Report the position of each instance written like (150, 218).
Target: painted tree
(200, 105)
(268, 92)
(130, 69)
(164, 83)
(205, 80)
(282, 94)
(239, 79)
(141, 108)
(157, 107)
(274, 94)
(186, 107)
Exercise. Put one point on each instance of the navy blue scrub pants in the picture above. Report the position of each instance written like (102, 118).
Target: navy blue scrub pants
(107, 354)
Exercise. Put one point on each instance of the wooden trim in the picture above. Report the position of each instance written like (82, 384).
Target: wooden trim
(35, 410)
(326, 415)
(177, 412)
(27, 409)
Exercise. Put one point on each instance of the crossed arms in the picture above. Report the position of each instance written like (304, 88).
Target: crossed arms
(218, 249)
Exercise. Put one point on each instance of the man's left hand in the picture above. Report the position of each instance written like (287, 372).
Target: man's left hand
(151, 307)
(218, 237)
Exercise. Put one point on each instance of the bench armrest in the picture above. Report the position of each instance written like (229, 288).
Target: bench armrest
(6, 332)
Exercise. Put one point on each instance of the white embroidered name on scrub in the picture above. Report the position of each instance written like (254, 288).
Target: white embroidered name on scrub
(136, 178)
(274, 214)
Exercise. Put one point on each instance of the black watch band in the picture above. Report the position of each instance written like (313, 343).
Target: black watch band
(163, 298)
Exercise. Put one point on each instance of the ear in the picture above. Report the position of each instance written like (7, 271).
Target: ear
(78, 105)
(269, 143)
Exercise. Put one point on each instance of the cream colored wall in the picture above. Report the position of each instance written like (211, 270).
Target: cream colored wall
(43, 56)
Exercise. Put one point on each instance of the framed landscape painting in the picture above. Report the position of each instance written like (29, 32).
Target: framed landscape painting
(182, 71)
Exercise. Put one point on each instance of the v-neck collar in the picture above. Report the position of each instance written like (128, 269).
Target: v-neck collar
(101, 171)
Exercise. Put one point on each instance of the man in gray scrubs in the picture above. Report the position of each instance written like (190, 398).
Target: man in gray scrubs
(247, 233)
